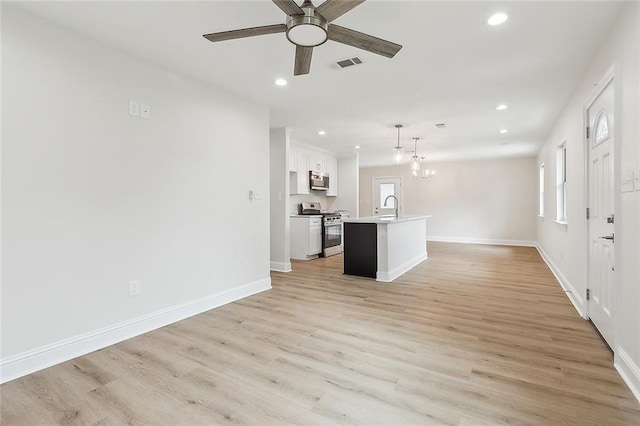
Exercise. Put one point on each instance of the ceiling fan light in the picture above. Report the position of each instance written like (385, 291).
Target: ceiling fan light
(497, 19)
(307, 31)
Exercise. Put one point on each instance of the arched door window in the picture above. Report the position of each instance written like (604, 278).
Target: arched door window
(601, 129)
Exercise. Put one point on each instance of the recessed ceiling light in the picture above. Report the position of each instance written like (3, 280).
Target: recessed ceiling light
(497, 19)
(322, 132)
(281, 82)
(501, 107)
(504, 131)
(356, 146)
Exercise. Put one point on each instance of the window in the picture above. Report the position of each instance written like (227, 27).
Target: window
(387, 190)
(602, 129)
(561, 183)
(541, 191)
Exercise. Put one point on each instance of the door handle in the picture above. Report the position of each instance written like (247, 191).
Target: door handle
(609, 237)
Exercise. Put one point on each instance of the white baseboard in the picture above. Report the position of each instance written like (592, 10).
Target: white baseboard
(628, 370)
(574, 296)
(37, 359)
(387, 277)
(281, 266)
(465, 240)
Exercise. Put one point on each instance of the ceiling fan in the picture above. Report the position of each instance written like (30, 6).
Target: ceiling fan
(309, 26)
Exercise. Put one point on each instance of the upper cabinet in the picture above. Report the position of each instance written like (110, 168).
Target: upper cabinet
(332, 171)
(304, 159)
(299, 176)
(293, 160)
(317, 161)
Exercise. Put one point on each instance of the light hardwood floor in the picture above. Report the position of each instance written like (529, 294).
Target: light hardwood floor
(474, 335)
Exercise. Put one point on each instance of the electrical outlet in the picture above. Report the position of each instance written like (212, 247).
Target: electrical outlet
(145, 111)
(134, 108)
(134, 288)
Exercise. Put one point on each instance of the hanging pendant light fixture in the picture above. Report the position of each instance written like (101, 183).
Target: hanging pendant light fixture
(397, 151)
(428, 174)
(415, 160)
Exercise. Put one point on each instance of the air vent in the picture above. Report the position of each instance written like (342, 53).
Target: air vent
(440, 125)
(349, 62)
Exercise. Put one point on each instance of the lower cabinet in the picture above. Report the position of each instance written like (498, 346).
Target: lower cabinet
(306, 237)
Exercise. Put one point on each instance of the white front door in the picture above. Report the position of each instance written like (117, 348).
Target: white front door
(383, 189)
(601, 239)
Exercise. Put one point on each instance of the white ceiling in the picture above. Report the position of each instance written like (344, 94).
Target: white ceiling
(453, 68)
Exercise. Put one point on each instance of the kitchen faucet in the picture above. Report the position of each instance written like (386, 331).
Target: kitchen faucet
(397, 202)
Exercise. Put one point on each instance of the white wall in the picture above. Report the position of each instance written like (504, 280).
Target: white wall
(93, 197)
(279, 187)
(492, 201)
(565, 246)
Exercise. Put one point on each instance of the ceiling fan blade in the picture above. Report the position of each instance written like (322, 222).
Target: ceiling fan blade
(289, 7)
(363, 41)
(332, 9)
(246, 32)
(303, 60)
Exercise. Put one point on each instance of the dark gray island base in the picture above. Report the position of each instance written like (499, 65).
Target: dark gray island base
(384, 247)
(360, 253)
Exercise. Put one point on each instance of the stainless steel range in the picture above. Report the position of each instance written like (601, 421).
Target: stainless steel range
(331, 228)
(331, 234)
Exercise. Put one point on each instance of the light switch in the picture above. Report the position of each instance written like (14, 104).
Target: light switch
(627, 182)
(145, 111)
(134, 108)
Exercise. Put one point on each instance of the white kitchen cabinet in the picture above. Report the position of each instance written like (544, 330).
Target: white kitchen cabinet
(332, 171)
(293, 161)
(306, 237)
(315, 239)
(317, 162)
(299, 179)
(303, 159)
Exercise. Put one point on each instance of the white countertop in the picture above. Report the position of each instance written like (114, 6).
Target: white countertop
(305, 215)
(387, 219)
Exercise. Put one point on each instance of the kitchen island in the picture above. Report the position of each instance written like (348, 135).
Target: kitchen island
(384, 247)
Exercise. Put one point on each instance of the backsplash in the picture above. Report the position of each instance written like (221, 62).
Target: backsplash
(314, 197)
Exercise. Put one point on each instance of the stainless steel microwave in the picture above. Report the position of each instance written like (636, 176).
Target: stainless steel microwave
(318, 181)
